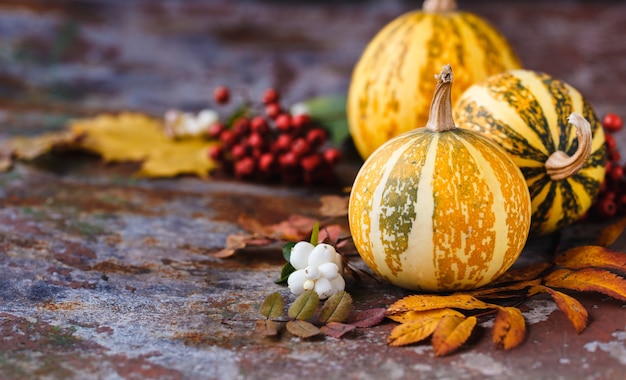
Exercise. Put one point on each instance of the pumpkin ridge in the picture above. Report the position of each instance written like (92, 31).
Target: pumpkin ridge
(562, 105)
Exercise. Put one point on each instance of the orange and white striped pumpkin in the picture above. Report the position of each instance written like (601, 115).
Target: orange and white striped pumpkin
(528, 113)
(439, 208)
(391, 84)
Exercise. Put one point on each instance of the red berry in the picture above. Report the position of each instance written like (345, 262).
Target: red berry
(311, 162)
(282, 143)
(270, 96)
(241, 126)
(332, 155)
(216, 152)
(610, 142)
(606, 208)
(614, 155)
(288, 160)
(612, 122)
(228, 138)
(221, 95)
(301, 121)
(272, 110)
(300, 147)
(259, 125)
(621, 204)
(244, 167)
(316, 137)
(216, 130)
(239, 151)
(283, 122)
(616, 173)
(255, 140)
(266, 162)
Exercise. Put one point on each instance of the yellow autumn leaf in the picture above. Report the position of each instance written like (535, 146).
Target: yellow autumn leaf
(509, 328)
(413, 315)
(430, 302)
(451, 332)
(611, 233)
(592, 256)
(573, 310)
(506, 291)
(28, 148)
(589, 280)
(412, 332)
(138, 137)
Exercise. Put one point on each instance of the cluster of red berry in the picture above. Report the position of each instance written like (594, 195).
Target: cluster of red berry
(612, 198)
(272, 145)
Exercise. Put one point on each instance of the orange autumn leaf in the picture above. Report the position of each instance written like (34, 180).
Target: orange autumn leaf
(611, 233)
(592, 256)
(295, 228)
(451, 332)
(527, 273)
(505, 291)
(509, 328)
(573, 310)
(138, 137)
(589, 280)
(413, 315)
(412, 332)
(430, 302)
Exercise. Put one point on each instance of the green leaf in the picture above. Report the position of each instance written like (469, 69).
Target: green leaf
(330, 112)
(303, 329)
(304, 306)
(272, 306)
(287, 250)
(336, 308)
(287, 270)
(315, 233)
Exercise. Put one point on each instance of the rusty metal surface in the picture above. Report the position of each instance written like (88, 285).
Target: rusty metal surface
(103, 275)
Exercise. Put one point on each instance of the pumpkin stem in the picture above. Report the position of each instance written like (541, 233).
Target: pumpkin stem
(440, 116)
(439, 6)
(559, 165)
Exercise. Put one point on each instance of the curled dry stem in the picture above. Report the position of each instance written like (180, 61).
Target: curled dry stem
(439, 6)
(561, 166)
(440, 116)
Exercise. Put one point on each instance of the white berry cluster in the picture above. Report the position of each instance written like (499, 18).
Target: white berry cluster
(317, 267)
(185, 124)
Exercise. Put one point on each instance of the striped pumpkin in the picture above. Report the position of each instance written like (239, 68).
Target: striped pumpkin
(439, 208)
(526, 112)
(392, 85)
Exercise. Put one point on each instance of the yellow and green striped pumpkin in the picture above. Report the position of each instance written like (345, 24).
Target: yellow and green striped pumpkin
(439, 210)
(392, 85)
(526, 112)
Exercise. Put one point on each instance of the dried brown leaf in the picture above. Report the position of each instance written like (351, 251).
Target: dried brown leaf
(295, 228)
(304, 306)
(272, 306)
(334, 205)
(412, 332)
(573, 310)
(414, 315)
(336, 308)
(430, 302)
(266, 327)
(368, 318)
(336, 329)
(589, 280)
(611, 233)
(235, 242)
(592, 256)
(303, 329)
(28, 148)
(509, 328)
(527, 273)
(451, 332)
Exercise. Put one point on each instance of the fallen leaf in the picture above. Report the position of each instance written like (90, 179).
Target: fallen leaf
(589, 280)
(295, 228)
(336, 329)
(368, 318)
(412, 332)
(336, 308)
(334, 205)
(303, 329)
(573, 310)
(527, 273)
(611, 233)
(28, 148)
(505, 291)
(266, 327)
(272, 306)
(235, 242)
(430, 302)
(304, 306)
(592, 256)
(451, 332)
(509, 328)
(414, 315)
